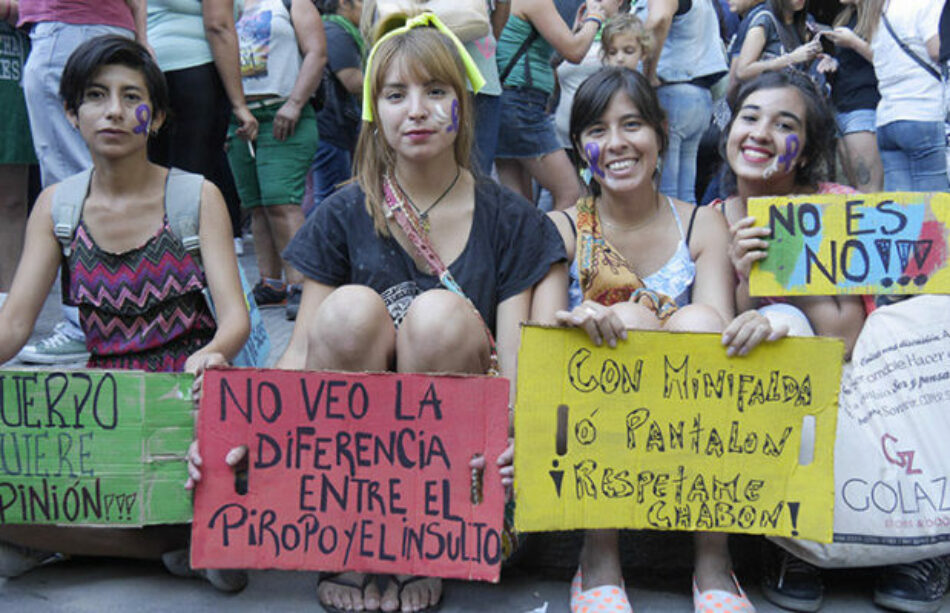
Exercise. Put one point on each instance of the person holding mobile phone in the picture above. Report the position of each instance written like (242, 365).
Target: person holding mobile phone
(778, 38)
(854, 94)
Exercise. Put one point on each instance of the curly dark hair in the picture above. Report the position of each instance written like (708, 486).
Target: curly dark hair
(820, 127)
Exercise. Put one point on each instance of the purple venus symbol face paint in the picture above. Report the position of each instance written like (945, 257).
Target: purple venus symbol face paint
(144, 115)
(592, 151)
(454, 126)
(792, 146)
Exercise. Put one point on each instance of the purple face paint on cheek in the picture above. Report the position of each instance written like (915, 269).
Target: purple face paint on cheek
(454, 126)
(592, 151)
(144, 115)
(792, 146)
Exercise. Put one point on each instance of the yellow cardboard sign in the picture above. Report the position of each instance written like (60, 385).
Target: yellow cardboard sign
(665, 432)
(826, 244)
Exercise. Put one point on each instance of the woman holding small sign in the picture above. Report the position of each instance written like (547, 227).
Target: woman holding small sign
(778, 143)
(141, 292)
(376, 294)
(642, 260)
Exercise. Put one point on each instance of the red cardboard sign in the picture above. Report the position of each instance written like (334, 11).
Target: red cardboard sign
(362, 472)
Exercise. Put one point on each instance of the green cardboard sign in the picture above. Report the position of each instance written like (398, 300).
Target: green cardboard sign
(86, 447)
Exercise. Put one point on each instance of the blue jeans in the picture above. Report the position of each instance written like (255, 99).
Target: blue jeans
(689, 111)
(487, 124)
(60, 148)
(914, 156)
(331, 166)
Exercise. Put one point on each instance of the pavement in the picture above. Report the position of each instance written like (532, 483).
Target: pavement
(658, 571)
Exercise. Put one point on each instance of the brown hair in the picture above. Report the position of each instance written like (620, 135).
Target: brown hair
(426, 54)
(869, 15)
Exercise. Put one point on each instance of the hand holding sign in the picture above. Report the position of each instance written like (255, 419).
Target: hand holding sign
(749, 329)
(360, 472)
(601, 323)
(94, 447)
(747, 245)
(665, 432)
(839, 244)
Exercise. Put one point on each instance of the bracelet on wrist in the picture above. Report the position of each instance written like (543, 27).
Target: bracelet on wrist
(595, 19)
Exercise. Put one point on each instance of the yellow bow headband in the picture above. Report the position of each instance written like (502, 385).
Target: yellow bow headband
(422, 20)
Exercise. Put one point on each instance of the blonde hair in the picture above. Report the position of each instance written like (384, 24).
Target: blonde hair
(426, 54)
(869, 15)
(625, 23)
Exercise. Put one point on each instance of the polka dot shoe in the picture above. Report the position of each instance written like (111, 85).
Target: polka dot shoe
(721, 601)
(600, 599)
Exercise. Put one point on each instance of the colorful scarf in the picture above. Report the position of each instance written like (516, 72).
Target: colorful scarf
(605, 276)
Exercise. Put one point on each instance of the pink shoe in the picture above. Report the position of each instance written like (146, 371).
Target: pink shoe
(600, 599)
(721, 601)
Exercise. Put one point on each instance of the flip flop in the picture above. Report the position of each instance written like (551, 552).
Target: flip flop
(599, 599)
(721, 601)
(334, 579)
(401, 584)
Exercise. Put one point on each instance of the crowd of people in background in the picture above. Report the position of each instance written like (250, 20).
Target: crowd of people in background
(394, 176)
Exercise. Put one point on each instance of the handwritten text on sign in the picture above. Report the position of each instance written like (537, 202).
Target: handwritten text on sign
(666, 432)
(94, 447)
(823, 244)
(365, 472)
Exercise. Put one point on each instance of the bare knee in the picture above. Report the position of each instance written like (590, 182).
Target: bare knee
(695, 318)
(636, 316)
(442, 333)
(352, 330)
(790, 316)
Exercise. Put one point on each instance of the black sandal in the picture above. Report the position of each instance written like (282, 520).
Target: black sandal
(334, 579)
(401, 585)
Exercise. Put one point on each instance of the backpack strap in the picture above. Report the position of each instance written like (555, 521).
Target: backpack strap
(532, 36)
(67, 207)
(183, 208)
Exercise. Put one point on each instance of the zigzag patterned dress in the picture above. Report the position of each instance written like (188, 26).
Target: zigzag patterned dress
(142, 309)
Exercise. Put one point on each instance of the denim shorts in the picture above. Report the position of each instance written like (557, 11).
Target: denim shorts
(527, 131)
(858, 120)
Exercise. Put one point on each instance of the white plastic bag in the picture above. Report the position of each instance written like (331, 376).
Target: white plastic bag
(892, 451)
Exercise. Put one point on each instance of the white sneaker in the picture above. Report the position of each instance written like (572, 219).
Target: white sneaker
(57, 348)
(239, 245)
(16, 560)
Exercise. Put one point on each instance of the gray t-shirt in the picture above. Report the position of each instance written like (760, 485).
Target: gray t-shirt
(773, 40)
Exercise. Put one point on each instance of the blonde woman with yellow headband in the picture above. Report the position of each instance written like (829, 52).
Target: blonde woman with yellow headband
(371, 301)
